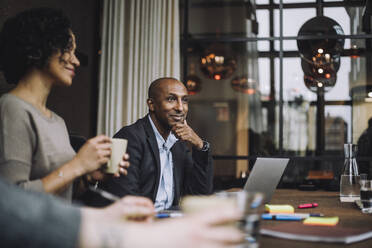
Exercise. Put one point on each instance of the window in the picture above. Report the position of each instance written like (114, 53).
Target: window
(274, 113)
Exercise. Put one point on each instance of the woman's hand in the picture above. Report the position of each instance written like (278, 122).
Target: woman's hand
(132, 208)
(93, 154)
(212, 229)
(99, 175)
(88, 161)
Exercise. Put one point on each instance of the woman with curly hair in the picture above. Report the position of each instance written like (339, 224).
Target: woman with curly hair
(37, 52)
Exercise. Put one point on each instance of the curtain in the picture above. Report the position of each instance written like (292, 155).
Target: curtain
(140, 43)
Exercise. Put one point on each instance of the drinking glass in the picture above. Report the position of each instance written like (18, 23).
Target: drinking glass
(349, 181)
(366, 195)
(249, 203)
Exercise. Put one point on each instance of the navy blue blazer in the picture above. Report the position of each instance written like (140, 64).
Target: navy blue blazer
(192, 171)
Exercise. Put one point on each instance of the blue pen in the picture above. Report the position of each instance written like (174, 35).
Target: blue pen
(302, 215)
(168, 215)
(162, 215)
(280, 217)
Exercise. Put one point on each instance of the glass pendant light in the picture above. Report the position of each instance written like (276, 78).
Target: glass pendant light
(218, 61)
(320, 58)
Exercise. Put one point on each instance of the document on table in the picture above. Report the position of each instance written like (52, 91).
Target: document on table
(299, 231)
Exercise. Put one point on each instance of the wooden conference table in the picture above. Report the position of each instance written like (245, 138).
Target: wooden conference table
(329, 205)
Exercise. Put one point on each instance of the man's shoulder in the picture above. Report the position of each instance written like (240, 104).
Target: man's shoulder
(135, 129)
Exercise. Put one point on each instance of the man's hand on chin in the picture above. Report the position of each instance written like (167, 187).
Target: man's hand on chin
(184, 132)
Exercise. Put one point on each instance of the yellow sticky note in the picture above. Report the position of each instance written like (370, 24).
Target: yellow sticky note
(321, 221)
(279, 209)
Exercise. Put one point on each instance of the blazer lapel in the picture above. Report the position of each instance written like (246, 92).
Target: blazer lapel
(151, 139)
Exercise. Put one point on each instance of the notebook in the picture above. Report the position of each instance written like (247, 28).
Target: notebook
(265, 176)
(298, 231)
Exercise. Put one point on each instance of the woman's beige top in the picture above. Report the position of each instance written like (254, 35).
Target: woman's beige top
(31, 144)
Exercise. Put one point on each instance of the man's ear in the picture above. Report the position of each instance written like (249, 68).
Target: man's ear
(150, 104)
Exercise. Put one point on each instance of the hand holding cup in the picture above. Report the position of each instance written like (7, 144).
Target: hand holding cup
(118, 149)
(103, 151)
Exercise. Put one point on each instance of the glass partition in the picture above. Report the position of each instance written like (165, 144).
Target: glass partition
(255, 93)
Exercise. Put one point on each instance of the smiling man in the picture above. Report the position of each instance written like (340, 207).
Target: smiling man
(162, 166)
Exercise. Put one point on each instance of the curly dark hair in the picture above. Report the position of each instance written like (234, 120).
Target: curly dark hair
(29, 39)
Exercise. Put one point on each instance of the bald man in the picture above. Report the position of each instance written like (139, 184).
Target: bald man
(162, 166)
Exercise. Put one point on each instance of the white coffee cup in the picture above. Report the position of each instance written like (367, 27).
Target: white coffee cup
(118, 149)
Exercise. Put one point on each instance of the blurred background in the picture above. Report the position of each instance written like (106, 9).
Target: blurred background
(287, 78)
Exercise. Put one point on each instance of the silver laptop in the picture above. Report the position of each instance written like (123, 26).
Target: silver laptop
(265, 176)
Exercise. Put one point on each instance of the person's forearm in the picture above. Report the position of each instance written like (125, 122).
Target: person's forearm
(199, 176)
(62, 177)
(198, 142)
(95, 232)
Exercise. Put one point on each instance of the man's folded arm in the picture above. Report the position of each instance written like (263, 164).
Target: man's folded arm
(199, 173)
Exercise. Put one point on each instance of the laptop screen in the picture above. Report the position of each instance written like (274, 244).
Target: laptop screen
(265, 176)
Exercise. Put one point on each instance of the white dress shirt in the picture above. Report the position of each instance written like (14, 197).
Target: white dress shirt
(165, 194)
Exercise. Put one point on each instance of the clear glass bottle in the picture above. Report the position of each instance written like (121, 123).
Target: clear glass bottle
(349, 181)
